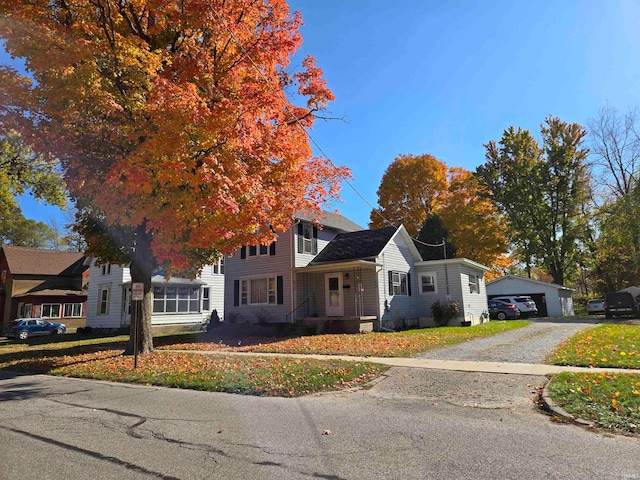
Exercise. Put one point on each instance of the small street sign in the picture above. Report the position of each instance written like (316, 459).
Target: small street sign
(137, 291)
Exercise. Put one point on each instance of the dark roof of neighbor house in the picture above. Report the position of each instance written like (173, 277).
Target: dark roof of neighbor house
(330, 219)
(356, 245)
(33, 261)
(51, 292)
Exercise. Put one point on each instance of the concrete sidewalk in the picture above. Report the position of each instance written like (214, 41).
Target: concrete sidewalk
(457, 365)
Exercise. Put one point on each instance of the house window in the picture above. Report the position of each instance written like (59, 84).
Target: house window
(398, 283)
(51, 310)
(428, 283)
(307, 238)
(3, 278)
(258, 291)
(25, 310)
(307, 241)
(106, 269)
(264, 249)
(474, 284)
(72, 310)
(172, 299)
(205, 299)
(218, 267)
(103, 301)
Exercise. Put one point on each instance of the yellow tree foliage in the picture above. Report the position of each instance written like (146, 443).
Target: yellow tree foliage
(170, 118)
(474, 224)
(411, 188)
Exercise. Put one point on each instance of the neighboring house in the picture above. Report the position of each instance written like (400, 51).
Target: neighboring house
(42, 283)
(176, 302)
(337, 272)
(551, 299)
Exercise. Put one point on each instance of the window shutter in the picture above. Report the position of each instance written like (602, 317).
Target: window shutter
(300, 238)
(243, 253)
(272, 248)
(236, 292)
(390, 282)
(279, 289)
(409, 283)
(314, 241)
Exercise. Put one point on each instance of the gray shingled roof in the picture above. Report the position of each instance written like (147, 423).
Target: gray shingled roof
(355, 245)
(33, 261)
(330, 219)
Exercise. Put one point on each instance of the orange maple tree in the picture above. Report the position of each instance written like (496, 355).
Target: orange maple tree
(179, 128)
(411, 188)
(475, 225)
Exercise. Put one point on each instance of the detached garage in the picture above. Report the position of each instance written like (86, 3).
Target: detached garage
(552, 300)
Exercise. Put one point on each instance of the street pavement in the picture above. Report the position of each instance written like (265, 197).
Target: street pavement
(413, 423)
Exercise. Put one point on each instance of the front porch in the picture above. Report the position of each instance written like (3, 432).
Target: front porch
(337, 297)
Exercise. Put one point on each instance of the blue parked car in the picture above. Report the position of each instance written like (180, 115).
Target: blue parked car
(501, 310)
(23, 328)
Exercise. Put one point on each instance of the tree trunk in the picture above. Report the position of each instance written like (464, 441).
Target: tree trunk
(141, 268)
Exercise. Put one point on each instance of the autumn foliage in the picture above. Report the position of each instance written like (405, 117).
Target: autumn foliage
(416, 186)
(179, 125)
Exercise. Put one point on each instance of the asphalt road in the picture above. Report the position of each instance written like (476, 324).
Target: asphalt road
(413, 424)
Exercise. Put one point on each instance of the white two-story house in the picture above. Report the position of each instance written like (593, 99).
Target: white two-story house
(333, 271)
(176, 301)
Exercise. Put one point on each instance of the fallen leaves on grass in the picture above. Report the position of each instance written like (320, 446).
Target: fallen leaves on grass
(387, 344)
(270, 376)
(606, 345)
(607, 399)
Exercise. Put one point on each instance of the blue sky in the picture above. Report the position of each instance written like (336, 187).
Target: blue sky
(445, 77)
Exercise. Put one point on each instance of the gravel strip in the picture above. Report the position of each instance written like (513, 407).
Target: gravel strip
(531, 344)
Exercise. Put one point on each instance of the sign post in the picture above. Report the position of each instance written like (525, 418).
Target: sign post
(137, 295)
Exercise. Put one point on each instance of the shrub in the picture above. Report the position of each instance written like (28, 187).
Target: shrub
(444, 312)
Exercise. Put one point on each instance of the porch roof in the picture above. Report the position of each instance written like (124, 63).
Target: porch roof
(333, 266)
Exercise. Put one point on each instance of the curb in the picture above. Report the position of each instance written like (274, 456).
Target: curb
(550, 406)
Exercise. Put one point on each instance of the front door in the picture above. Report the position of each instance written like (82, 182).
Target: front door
(333, 295)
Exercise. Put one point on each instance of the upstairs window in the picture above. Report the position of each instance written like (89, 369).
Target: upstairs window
(307, 238)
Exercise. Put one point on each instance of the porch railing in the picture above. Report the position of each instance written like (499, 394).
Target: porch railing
(291, 314)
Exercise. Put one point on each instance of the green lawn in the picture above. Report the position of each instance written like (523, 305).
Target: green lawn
(610, 400)
(607, 345)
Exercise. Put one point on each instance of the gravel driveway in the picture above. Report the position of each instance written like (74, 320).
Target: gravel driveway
(531, 344)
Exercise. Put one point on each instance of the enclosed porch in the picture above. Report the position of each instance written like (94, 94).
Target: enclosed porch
(339, 297)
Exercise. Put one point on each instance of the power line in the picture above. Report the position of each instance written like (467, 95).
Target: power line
(307, 133)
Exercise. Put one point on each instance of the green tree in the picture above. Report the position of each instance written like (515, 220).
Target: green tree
(542, 191)
(617, 249)
(430, 240)
(22, 172)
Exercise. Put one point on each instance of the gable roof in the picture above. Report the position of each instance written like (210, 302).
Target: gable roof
(329, 219)
(33, 261)
(363, 244)
(510, 277)
(356, 245)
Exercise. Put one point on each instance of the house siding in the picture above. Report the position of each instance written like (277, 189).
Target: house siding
(118, 282)
(115, 317)
(396, 257)
(452, 284)
(259, 266)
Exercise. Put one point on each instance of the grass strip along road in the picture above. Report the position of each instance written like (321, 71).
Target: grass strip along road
(102, 359)
(609, 400)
